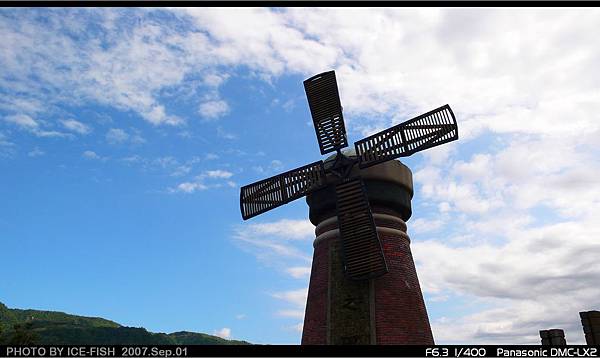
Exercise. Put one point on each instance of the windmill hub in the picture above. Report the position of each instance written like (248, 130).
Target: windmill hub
(341, 163)
(349, 153)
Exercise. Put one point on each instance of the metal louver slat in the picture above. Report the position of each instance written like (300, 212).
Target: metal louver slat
(326, 110)
(270, 193)
(362, 251)
(425, 131)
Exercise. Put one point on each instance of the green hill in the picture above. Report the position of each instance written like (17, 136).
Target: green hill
(47, 327)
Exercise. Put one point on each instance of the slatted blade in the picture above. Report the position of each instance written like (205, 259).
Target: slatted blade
(272, 192)
(326, 110)
(363, 254)
(425, 131)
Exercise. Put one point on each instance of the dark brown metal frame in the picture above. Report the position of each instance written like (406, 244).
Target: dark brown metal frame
(281, 192)
(358, 233)
(326, 111)
(396, 141)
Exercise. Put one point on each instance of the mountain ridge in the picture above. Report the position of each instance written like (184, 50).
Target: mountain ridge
(27, 326)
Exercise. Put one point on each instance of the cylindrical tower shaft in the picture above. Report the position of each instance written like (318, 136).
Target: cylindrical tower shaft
(386, 310)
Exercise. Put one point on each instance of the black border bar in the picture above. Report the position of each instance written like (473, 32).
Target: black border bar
(298, 351)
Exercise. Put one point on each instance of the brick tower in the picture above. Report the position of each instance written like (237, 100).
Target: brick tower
(386, 310)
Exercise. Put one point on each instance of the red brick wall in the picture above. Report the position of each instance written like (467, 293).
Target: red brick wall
(400, 313)
(401, 317)
(315, 316)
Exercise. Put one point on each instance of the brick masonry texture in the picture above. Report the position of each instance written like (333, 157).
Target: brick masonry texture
(401, 316)
(400, 313)
(315, 317)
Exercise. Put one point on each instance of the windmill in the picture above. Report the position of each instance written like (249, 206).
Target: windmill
(362, 254)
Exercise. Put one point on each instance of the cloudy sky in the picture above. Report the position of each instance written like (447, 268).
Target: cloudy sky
(125, 135)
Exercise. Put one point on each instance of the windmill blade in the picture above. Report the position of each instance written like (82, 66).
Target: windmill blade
(326, 110)
(425, 131)
(272, 192)
(362, 252)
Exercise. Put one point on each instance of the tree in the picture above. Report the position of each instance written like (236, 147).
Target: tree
(22, 335)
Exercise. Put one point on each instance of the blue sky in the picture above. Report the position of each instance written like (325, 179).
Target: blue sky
(125, 135)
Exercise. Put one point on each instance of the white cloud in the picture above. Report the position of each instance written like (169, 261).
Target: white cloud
(121, 67)
(422, 225)
(213, 109)
(295, 301)
(132, 159)
(6, 146)
(294, 297)
(209, 179)
(289, 105)
(4, 141)
(178, 168)
(157, 115)
(221, 133)
(219, 174)
(36, 152)
(240, 316)
(44, 133)
(510, 74)
(22, 105)
(223, 333)
(275, 166)
(273, 45)
(299, 271)
(29, 124)
(76, 126)
(282, 245)
(298, 313)
(215, 80)
(517, 279)
(189, 187)
(136, 137)
(181, 170)
(269, 250)
(116, 135)
(88, 154)
(510, 210)
(120, 136)
(297, 327)
(166, 161)
(284, 229)
(22, 121)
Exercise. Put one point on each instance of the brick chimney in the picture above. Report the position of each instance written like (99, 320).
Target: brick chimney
(590, 321)
(386, 310)
(553, 337)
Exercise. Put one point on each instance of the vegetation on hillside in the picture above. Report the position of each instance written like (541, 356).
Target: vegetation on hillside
(21, 327)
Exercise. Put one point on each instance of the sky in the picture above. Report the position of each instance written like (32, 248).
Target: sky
(125, 134)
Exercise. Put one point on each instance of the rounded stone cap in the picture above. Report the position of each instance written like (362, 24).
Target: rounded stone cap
(388, 185)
